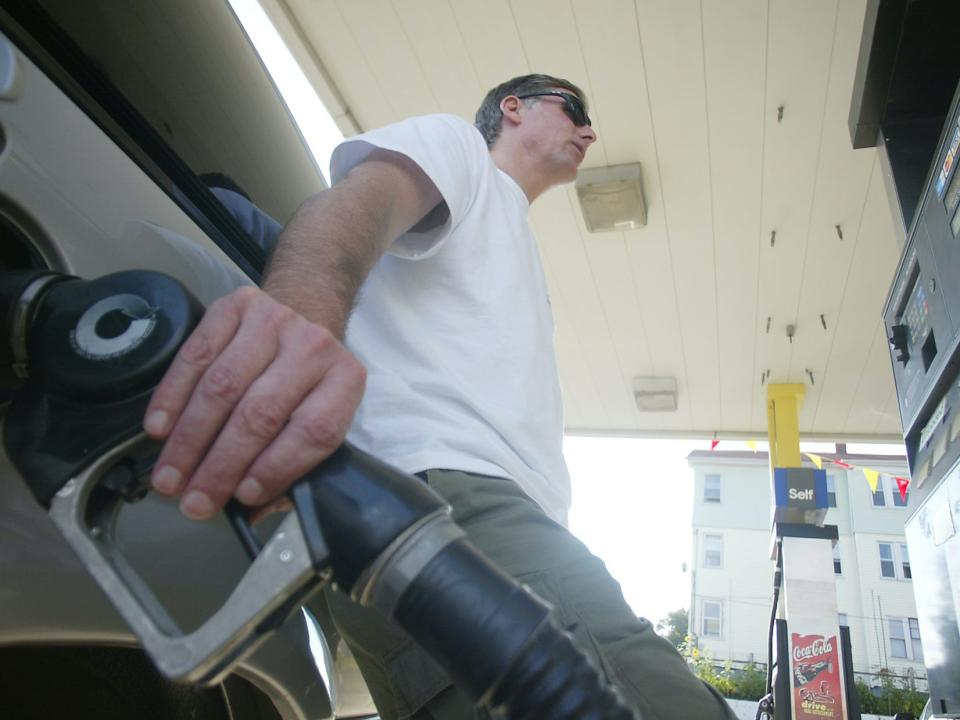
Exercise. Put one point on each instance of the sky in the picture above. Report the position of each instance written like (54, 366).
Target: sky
(632, 506)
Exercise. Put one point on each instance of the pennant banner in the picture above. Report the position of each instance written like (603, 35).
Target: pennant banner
(713, 444)
(902, 485)
(816, 460)
(841, 463)
(871, 476)
(752, 444)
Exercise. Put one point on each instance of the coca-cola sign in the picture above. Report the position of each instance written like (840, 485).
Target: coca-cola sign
(820, 646)
(817, 678)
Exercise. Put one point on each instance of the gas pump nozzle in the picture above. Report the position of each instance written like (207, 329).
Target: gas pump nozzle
(86, 356)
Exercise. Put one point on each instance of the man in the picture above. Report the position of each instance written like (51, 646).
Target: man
(452, 333)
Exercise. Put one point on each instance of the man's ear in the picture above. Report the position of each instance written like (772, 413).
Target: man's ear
(510, 107)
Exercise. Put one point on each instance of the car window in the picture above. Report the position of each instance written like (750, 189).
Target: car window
(178, 85)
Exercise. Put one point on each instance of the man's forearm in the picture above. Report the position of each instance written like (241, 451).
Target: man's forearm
(326, 251)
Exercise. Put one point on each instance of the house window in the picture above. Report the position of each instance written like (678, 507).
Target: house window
(905, 562)
(879, 498)
(842, 620)
(837, 566)
(888, 568)
(905, 639)
(898, 644)
(712, 618)
(894, 561)
(831, 491)
(713, 551)
(711, 488)
(915, 645)
(888, 494)
(897, 500)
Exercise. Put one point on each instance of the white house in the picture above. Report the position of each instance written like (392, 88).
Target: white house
(732, 578)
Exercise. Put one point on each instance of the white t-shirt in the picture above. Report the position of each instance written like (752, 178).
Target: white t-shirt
(454, 325)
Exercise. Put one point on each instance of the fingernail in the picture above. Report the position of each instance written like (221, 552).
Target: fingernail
(196, 505)
(249, 491)
(156, 422)
(167, 480)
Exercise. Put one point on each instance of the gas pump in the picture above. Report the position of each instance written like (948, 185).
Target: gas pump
(810, 672)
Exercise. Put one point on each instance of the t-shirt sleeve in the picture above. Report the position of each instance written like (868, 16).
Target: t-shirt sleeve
(449, 150)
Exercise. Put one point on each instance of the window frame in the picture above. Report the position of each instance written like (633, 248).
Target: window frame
(59, 56)
(905, 570)
(719, 480)
(907, 635)
(900, 572)
(892, 560)
(719, 538)
(916, 644)
(896, 622)
(880, 493)
(889, 495)
(704, 618)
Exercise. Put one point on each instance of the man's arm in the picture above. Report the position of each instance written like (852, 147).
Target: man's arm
(263, 389)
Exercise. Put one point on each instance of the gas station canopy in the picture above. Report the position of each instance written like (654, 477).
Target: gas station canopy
(770, 243)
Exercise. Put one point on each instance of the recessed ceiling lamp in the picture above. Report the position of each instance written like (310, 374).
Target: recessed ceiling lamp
(655, 394)
(611, 198)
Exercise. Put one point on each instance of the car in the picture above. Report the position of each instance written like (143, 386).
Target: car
(144, 135)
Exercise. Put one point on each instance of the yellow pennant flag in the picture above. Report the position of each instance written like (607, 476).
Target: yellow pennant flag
(816, 460)
(871, 476)
(752, 444)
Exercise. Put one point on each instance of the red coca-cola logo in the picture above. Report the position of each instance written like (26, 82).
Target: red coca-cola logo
(820, 646)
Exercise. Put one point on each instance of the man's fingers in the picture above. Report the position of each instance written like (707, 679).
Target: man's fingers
(307, 351)
(211, 336)
(216, 391)
(257, 396)
(315, 430)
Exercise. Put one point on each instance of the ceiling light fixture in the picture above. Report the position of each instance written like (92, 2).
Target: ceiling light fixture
(611, 198)
(655, 394)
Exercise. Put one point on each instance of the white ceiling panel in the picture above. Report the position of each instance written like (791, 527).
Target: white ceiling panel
(432, 30)
(800, 41)
(874, 260)
(840, 192)
(490, 36)
(671, 37)
(734, 36)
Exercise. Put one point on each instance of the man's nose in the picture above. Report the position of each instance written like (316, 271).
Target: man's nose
(588, 134)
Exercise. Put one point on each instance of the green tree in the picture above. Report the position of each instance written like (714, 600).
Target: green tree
(894, 695)
(674, 627)
(746, 683)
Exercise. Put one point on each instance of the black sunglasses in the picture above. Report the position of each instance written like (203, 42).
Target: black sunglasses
(572, 106)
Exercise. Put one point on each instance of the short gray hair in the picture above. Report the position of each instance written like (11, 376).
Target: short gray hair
(489, 119)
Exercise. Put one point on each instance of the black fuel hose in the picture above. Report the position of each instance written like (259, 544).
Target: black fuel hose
(500, 643)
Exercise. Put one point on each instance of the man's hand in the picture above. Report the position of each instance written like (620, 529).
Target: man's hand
(259, 394)
(256, 397)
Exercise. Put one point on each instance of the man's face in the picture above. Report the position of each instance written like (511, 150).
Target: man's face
(553, 139)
